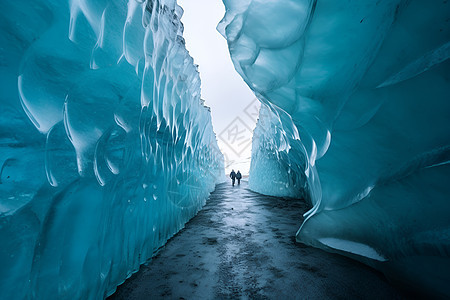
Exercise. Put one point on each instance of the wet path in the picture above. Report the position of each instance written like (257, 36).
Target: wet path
(242, 245)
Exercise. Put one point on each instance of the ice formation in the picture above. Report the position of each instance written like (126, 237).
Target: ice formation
(106, 147)
(356, 118)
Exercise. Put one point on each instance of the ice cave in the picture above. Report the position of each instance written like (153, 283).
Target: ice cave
(108, 149)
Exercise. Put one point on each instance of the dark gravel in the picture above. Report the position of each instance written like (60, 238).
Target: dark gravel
(242, 245)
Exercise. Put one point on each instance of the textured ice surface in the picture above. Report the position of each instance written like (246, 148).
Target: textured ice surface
(106, 148)
(359, 120)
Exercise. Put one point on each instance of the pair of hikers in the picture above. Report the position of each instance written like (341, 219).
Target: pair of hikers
(235, 176)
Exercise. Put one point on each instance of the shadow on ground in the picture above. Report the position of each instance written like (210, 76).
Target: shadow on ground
(242, 245)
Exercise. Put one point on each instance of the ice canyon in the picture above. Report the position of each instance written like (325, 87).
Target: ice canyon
(107, 148)
(356, 119)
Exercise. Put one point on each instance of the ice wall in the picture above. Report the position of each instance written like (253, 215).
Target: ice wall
(275, 168)
(365, 85)
(106, 148)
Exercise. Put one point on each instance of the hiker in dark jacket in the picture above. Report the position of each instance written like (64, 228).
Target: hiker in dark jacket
(238, 177)
(233, 177)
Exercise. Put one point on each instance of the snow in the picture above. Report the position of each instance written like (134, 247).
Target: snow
(355, 117)
(106, 147)
(352, 247)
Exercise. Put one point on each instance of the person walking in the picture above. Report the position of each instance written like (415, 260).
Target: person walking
(238, 177)
(233, 177)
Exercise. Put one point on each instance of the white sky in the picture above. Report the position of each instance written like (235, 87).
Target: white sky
(222, 87)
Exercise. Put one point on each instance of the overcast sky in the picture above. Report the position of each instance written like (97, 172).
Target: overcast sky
(232, 103)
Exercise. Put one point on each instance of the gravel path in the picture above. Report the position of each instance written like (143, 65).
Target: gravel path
(242, 245)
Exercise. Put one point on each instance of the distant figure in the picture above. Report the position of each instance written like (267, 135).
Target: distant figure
(233, 177)
(238, 177)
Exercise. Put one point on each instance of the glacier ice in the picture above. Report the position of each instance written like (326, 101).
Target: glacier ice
(355, 117)
(107, 149)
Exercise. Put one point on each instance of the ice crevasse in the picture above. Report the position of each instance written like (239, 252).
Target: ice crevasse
(106, 148)
(355, 118)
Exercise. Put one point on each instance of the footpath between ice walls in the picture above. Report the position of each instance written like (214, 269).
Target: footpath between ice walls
(355, 118)
(106, 148)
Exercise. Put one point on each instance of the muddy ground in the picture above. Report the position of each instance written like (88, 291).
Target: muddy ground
(242, 246)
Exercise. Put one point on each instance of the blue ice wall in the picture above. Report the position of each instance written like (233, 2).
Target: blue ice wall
(106, 149)
(276, 169)
(358, 97)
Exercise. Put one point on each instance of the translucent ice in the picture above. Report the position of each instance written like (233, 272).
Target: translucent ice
(106, 148)
(356, 118)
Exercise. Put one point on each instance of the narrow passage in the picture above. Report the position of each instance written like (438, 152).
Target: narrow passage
(242, 245)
